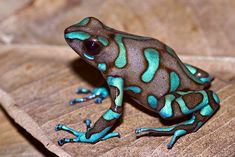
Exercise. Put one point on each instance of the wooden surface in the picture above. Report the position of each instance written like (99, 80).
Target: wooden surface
(192, 28)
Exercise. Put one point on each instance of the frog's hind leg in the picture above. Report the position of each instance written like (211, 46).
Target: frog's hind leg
(199, 73)
(200, 104)
(97, 93)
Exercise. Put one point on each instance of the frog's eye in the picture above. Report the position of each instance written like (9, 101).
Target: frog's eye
(92, 47)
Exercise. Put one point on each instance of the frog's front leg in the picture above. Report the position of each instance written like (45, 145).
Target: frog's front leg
(201, 104)
(100, 130)
(97, 93)
(79, 134)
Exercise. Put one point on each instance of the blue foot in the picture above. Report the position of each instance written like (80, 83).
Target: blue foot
(98, 100)
(81, 136)
(83, 91)
(98, 93)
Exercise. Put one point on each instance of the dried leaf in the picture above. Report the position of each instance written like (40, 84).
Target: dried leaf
(189, 26)
(42, 80)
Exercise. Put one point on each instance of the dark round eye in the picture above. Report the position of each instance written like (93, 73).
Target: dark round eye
(92, 47)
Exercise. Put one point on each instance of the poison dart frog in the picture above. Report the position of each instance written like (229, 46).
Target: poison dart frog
(148, 71)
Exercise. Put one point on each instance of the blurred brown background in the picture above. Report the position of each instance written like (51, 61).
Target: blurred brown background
(191, 27)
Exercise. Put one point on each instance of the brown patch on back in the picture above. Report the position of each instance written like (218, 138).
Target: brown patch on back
(192, 100)
(176, 110)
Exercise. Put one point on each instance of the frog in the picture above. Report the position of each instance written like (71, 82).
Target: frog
(149, 72)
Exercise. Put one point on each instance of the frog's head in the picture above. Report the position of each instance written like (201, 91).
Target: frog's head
(91, 40)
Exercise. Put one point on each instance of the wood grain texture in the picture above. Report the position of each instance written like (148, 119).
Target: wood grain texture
(45, 79)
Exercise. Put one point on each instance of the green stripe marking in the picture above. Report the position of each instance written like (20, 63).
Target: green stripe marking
(77, 35)
(174, 81)
(206, 111)
(166, 111)
(88, 56)
(103, 40)
(134, 89)
(110, 115)
(118, 83)
(102, 66)
(153, 59)
(199, 124)
(192, 69)
(152, 101)
(186, 110)
(184, 93)
(206, 79)
(216, 98)
(121, 59)
(190, 121)
(205, 99)
(84, 21)
(96, 136)
(194, 78)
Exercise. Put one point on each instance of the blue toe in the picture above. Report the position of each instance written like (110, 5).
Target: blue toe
(98, 101)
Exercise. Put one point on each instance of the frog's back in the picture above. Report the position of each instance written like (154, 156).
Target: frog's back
(154, 67)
